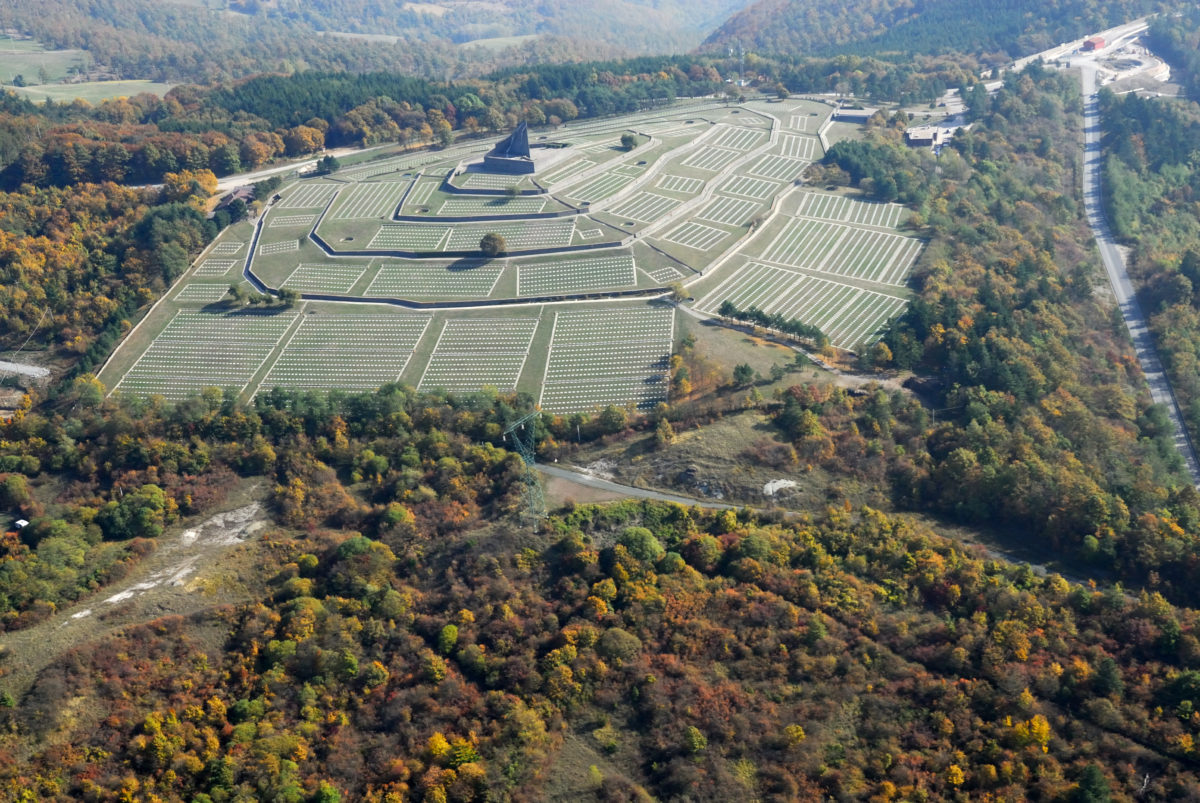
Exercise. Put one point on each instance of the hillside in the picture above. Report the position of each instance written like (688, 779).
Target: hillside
(398, 634)
(1010, 27)
(189, 41)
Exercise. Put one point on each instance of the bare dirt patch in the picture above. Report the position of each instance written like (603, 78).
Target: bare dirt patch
(194, 568)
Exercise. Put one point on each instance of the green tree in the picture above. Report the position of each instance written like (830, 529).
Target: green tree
(612, 419)
(642, 544)
(14, 491)
(1093, 786)
(492, 244)
(1108, 678)
(141, 514)
(448, 639)
(664, 434)
(743, 375)
(628, 141)
(618, 645)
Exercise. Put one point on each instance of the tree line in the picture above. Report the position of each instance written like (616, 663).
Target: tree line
(776, 321)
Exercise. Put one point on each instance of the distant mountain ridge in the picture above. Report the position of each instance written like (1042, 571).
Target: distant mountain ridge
(204, 40)
(870, 27)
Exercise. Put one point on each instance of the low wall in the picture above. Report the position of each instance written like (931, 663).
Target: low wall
(484, 218)
(648, 292)
(401, 254)
(448, 187)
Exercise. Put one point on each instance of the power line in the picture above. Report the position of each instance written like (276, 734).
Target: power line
(524, 440)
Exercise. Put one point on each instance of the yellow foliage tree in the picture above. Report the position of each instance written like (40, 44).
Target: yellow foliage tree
(1035, 731)
(189, 185)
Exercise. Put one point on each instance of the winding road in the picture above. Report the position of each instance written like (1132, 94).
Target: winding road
(1118, 276)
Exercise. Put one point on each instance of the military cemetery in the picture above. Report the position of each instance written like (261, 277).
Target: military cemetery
(375, 274)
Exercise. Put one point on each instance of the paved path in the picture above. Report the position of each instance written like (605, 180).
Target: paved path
(243, 179)
(1114, 264)
(627, 490)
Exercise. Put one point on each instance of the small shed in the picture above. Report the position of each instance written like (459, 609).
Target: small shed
(846, 115)
(1093, 44)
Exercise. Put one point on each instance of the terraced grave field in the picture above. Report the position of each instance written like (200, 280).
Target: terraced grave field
(281, 247)
(574, 275)
(411, 237)
(197, 350)
(780, 168)
(422, 280)
(556, 233)
(493, 206)
(599, 188)
(843, 250)
(214, 267)
(798, 147)
(849, 210)
(602, 357)
(731, 211)
(711, 159)
(645, 207)
(850, 316)
(372, 200)
(490, 181)
(681, 184)
(473, 353)
(202, 293)
(323, 277)
(308, 196)
(291, 221)
(346, 352)
(739, 139)
(696, 235)
(750, 187)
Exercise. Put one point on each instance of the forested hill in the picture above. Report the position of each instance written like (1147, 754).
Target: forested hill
(994, 27)
(221, 39)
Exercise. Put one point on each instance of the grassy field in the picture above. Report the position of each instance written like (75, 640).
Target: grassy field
(10, 45)
(501, 42)
(31, 60)
(91, 91)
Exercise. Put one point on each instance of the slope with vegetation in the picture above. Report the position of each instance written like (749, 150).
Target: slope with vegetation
(1001, 30)
(227, 129)
(401, 652)
(418, 641)
(1043, 423)
(217, 40)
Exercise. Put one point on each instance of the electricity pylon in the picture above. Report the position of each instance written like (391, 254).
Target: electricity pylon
(523, 439)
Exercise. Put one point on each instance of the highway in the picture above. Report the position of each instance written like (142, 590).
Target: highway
(1118, 276)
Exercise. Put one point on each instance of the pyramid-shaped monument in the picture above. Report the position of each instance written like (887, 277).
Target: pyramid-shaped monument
(511, 154)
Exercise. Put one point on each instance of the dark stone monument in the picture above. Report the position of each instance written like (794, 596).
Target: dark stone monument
(511, 154)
